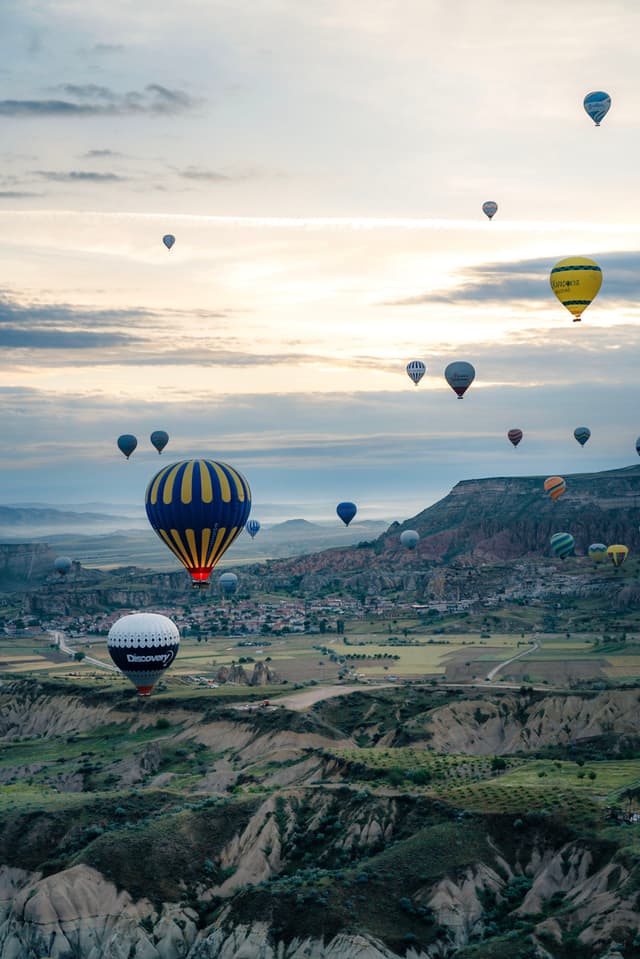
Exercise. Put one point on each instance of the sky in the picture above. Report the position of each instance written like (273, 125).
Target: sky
(322, 167)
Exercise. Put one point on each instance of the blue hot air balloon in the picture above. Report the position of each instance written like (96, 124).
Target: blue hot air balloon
(62, 565)
(198, 508)
(228, 583)
(562, 544)
(582, 434)
(409, 538)
(490, 208)
(253, 528)
(346, 512)
(168, 239)
(460, 375)
(597, 105)
(127, 443)
(159, 439)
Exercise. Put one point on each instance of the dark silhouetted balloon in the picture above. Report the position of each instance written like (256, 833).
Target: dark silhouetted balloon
(62, 565)
(143, 645)
(582, 434)
(198, 508)
(490, 208)
(409, 538)
(127, 443)
(168, 239)
(228, 583)
(514, 436)
(346, 512)
(460, 375)
(159, 439)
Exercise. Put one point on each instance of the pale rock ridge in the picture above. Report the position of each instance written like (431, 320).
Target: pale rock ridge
(480, 727)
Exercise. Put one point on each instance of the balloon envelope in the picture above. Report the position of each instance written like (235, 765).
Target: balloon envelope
(576, 282)
(597, 552)
(253, 527)
(198, 508)
(638, 446)
(562, 544)
(409, 538)
(617, 554)
(416, 370)
(143, 645)
(460, 375)
(514, 436)
(346, 512)
(159, 439)
(582, 434)
(555, 486)
(127, 443)
(168, 239)
(228, 583)
(62, 565)
(490, 208)
(597, 105)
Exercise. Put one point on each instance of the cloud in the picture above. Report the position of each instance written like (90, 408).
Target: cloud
(100, 154)
(12, 337)
(17, 194)
(212, 176)
(528, 281)
(78, 176)
(95, 100)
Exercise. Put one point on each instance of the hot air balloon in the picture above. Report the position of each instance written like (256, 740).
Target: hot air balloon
(143, 645)
(597, 105)
(198, 508)
(253, 527)
(582, 434)
(597, 552)
(459, 375)
(409, 538)
(168, 239)
(555, 486)
(62, 565)
(159, 439)
(617, 554)
(514, 436)
(638, 446)
(127, 443)
(346, 512)
(228, 583)
(576, 281)
(562, 544)
(416, 370)
(490, 208)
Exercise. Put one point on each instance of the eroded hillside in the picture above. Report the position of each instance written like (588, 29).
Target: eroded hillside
(380, 824)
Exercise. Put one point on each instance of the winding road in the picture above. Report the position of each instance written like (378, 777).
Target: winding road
(61, 640)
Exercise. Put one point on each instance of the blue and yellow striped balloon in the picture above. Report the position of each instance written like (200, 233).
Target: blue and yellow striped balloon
(598, 552)
(576, 282)
(198, 508)
(562, 544)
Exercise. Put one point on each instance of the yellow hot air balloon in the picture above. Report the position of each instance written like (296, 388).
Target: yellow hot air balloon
(617, 554)
(576, 281)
